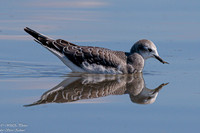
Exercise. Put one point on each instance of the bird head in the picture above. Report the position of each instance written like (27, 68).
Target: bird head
(147, 49)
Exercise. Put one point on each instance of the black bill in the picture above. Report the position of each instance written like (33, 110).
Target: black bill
(160, 59)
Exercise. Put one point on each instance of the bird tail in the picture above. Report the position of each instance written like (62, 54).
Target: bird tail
(39, 38)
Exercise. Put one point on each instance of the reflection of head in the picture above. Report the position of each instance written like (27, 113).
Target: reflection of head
(138, 92)
(144, 97)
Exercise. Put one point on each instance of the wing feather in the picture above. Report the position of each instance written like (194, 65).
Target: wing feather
(92, 55)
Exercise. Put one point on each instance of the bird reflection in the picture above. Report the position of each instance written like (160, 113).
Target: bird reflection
(89, 86)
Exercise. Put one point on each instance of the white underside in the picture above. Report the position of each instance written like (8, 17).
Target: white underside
(94, 68)
(90, 68)
(66, 61)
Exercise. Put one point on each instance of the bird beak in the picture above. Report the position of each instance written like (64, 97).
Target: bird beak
(160, 59)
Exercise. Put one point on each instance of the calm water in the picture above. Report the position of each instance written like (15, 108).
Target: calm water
(60, 101)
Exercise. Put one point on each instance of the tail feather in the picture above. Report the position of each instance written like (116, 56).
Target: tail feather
(50, 44)
(39, 37)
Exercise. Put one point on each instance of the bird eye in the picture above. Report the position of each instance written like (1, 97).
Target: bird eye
(150, 50)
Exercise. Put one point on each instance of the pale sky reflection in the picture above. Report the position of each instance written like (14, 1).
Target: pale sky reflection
(71, 4)
(103, 20)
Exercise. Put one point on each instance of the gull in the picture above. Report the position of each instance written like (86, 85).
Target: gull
(88, 59)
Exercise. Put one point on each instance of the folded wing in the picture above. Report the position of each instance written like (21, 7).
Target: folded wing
(87, 55)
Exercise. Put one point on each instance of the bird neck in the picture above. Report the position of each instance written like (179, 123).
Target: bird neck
(136, 62)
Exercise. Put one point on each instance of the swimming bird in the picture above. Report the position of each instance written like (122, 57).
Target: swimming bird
(96, 59)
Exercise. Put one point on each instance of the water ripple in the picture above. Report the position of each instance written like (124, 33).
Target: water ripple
(19, 69)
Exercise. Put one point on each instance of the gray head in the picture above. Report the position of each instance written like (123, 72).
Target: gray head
(146, 49)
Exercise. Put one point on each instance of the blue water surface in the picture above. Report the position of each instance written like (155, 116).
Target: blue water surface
(27, 70)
